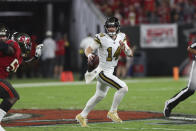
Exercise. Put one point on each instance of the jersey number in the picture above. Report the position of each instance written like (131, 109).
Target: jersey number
(13, 66)
(116, 54)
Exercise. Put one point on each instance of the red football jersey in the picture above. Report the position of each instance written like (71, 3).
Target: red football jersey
(60, 47)
(10, 63)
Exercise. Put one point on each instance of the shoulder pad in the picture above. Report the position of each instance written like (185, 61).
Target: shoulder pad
(101, 34)
(97, 39)
(122, 34)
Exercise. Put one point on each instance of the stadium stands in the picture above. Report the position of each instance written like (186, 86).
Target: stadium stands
(134, 12)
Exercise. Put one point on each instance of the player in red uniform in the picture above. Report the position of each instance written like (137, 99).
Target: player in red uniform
(12, 53)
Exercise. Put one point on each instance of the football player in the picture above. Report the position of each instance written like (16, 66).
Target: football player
(188, 91)
(109, 46)
(12, 53)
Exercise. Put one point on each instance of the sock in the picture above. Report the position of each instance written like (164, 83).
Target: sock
(90, 105)
(2, 114)
(118, 96)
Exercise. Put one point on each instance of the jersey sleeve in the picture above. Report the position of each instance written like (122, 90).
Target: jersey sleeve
(128, 50)
(125, 38)
(97, 42)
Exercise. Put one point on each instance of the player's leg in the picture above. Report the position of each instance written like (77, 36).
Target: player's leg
(122, 89)
(124, 72)
(118, 71)
(101, 92)
(176, 99)
(9, 96)
(183, 94)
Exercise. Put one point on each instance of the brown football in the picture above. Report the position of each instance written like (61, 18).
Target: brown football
(93, 64)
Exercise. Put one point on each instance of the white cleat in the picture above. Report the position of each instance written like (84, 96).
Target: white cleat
(82, 120)
(114, 117)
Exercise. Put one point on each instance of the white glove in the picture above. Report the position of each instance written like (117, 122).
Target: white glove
(38, 50)
(193, 46)
(90, 58)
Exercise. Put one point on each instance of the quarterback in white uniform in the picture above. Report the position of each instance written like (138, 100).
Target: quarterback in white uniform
(109, 46)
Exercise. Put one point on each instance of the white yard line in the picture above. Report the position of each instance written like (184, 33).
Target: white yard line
(46, 84)
(108, 128)
(182, 118)
(124, 128)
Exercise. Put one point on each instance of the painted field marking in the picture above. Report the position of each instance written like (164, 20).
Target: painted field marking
(182, 118)
(46, 84)
(106, 128)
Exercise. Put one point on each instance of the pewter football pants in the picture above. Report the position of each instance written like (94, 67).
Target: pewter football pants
(187, 91)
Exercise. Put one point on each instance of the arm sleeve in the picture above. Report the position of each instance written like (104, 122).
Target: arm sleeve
(96, 44)
(128, 50)
(32, 59)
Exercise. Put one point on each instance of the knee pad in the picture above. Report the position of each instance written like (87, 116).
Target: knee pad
(124, 89)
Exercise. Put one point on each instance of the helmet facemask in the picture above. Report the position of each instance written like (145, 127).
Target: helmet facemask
(112, 22)
(4, 32)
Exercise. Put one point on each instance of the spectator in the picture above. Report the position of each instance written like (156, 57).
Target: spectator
(60, 56)
(132, 15)
(67, 60)
(48, 55)
(149, 11)
(124, 64)
(83, 45)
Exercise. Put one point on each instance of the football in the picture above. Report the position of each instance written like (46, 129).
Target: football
(93, 64)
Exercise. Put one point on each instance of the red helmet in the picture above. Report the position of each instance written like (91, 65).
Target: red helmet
(24, 41)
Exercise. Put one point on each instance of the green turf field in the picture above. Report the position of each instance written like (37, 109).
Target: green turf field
(145, 94)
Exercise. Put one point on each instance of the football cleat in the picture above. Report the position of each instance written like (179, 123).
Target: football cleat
(114, 116)
(167, 110)
(82, 120)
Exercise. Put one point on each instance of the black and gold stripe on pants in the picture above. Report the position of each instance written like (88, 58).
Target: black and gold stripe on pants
(109, 81)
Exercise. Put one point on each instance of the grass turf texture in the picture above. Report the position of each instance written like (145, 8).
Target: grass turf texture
(145, 94)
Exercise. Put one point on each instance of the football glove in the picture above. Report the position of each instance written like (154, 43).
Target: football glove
(38, 50)
(193, 46)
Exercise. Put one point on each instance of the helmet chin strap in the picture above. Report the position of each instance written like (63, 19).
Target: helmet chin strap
(111, 33)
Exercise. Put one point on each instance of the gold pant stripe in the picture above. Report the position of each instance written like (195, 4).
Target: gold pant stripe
(110, 81)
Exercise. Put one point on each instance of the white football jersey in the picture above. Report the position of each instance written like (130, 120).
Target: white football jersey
(108, 50)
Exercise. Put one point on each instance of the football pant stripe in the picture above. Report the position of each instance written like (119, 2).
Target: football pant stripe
(109, 81)
(7, 89)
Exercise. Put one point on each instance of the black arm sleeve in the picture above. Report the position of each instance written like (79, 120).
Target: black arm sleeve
(32, 59)
(6, 49)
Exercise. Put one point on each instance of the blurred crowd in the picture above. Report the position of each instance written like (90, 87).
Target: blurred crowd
(134, 12)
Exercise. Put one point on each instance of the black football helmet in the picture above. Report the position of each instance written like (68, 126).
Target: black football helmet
(24, 41)
(4, 31)
(112, 22)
